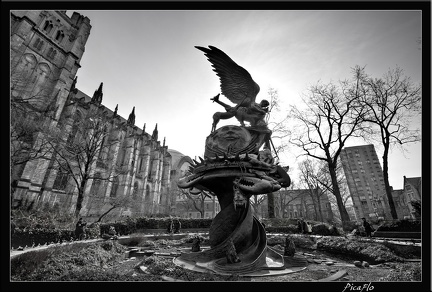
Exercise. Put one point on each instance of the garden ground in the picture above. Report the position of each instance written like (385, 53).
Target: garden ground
(109, 261)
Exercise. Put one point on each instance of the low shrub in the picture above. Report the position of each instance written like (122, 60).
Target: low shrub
(53, 264)
(39, 236)
(403, 225)
(325, 229)
(368, 251)
(134, 225)
(282, 229)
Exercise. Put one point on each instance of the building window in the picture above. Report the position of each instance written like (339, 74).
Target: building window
(140, 164)
(61, 180)
(59, 36)
(48, 26)
(114, 187)
(147, 196)
(38, 44)
(51, 53)
(96, 183)
(73, 132)
(135, 190)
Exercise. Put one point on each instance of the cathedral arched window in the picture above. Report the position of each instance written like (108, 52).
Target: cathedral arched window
(48, 26)
(51, 53)
(140, 164)
(61, 180)
(135, 190)
(102, 150)
(22, 72)
(38, 44)
(59, 36)
(75, 127)
(41, 83)
(114, 187)
(96, 183)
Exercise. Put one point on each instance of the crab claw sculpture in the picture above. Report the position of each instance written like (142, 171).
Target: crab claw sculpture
(234, 169)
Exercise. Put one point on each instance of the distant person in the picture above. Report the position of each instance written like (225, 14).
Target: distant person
(80, 229)
(176, 226)
(304, 226)
(368, 228)
(300, 225)
(112, 234)
(308, 228)
(170, 226)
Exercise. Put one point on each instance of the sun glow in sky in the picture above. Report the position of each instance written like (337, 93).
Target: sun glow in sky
(147, 59)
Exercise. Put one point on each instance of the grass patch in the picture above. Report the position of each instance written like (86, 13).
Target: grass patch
(55, 263)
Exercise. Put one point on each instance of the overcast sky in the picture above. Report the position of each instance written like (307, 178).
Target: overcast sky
(147, 59)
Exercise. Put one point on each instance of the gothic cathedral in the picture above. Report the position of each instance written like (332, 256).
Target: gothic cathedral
(131, 168)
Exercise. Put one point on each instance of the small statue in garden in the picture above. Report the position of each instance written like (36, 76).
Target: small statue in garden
(112, 234)
(196, 244)
(176, 226)
(170, 226)
(308, 228)
(300, 225)
(80, 229)
(231, 253)
(289, 247)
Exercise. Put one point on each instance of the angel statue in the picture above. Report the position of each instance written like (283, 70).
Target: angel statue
(238, 86)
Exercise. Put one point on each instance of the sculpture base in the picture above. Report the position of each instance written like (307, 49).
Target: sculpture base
(275, 265)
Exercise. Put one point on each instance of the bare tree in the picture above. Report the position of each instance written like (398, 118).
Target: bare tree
(286, 197)
(279, 131)
(256, 201)
(277, 124)
(310, 175)
(331, 117)
(195, 200)
(29, 120)
(76, 155)
(392, 103)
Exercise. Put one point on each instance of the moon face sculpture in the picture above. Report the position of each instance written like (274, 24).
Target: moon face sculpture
(233, 169)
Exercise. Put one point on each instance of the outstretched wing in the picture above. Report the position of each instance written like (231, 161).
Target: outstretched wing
(236, 83)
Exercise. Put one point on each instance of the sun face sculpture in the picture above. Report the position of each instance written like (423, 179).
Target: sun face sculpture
(227, 139)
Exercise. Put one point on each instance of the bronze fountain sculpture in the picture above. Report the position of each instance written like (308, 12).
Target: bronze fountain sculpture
(237, 164)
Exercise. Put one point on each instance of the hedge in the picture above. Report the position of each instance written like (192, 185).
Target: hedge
(35, 236)
(401, 226)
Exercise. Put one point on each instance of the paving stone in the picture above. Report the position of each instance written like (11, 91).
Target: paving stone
(162, 253)
(335, 276)
(144, 269)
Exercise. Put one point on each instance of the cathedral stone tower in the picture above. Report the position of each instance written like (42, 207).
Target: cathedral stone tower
(46, 49)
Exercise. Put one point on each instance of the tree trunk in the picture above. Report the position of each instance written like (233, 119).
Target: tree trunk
(80, 198)
(319, 208)
(270, 202)
(336, 192)
(314, 197)
(387, 184)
